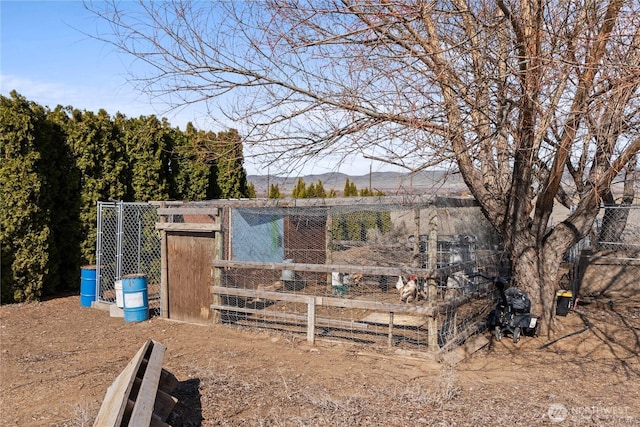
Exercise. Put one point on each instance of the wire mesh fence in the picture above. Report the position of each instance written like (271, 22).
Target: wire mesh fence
(617, 229)
(606, 263)
(387, 272)
(405, 272)
(357, 307)
(127, 243)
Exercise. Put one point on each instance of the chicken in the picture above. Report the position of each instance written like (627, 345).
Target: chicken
(409, 290)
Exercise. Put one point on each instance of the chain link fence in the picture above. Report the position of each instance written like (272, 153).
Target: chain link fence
(127, 243)
(606, 263)
(617, 229)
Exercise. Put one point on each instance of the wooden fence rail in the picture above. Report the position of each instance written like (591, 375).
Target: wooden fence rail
(430, 311)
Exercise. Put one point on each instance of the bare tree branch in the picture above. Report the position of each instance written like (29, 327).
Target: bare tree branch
(519, 95)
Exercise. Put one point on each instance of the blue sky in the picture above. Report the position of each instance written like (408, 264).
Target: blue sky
(46, 57)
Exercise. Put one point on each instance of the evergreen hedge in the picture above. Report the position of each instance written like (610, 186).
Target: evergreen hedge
(57, 164)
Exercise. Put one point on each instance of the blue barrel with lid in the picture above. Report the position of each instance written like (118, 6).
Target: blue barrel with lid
(135, 298)
(87, 285)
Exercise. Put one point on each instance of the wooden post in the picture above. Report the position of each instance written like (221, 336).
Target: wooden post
(432, 264)
(416, 241)
(216, 273)
(311, 319)
(164, 271)
(390, 338)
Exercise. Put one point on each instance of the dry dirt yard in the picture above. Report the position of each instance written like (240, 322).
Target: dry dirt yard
(58, 358)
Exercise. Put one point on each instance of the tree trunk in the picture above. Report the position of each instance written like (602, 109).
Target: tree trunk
(536, 260)
(535, 272)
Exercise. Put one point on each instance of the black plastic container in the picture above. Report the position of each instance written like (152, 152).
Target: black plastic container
(564, 302)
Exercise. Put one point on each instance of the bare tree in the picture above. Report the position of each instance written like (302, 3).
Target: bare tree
(534, 102)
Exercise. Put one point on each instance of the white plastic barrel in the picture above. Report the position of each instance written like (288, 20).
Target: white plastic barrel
(118, 288)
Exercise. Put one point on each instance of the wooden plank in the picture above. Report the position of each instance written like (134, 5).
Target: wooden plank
(311, 320)
(396, 319)
(218, 254)
(460, 353)
(424, 310)
(187, 210)
(329, 268)
(164, 276)
(259, 294)
(465, 333)
(145, 401)
(184, 226)
(415, 200)
(390, 333)
(291, 316)
(432, 333)
(115, 401)
(168, 381)
(164, 405)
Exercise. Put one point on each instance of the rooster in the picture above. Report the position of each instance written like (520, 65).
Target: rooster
(409, 290)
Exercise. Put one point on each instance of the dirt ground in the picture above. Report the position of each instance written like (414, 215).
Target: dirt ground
(58, 358)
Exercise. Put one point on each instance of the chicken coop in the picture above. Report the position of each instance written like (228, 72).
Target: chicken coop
(331, 268)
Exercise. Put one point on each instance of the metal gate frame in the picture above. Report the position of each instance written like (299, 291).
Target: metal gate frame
(127, 243)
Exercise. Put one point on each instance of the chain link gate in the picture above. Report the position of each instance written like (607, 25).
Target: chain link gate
(127, 243)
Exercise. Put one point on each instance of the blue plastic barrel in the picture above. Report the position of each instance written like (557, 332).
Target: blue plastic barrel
(87, 285)
(135, 298)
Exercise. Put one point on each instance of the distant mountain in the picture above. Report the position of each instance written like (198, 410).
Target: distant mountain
(390, 183)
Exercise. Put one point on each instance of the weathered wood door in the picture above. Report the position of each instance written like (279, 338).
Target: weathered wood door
(190, 275)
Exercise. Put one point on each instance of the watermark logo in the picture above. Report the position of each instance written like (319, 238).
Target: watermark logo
(557, 412)
(605, 415)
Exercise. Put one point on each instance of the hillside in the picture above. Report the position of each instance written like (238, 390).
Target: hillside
(391, 183)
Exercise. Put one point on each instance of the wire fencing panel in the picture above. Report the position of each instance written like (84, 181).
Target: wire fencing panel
(127, 243)
(618, 229)
(362, 243)
(107, 249)
(607, 262)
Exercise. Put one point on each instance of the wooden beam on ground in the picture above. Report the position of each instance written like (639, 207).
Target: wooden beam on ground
(140, 394)
(113, 406)
(457, 355)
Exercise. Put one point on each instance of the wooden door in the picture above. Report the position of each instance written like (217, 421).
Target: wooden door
(190, 275)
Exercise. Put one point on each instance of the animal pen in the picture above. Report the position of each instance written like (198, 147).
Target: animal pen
(331, 268)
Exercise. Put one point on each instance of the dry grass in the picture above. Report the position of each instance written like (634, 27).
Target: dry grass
(283, 400)
(58, 360)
